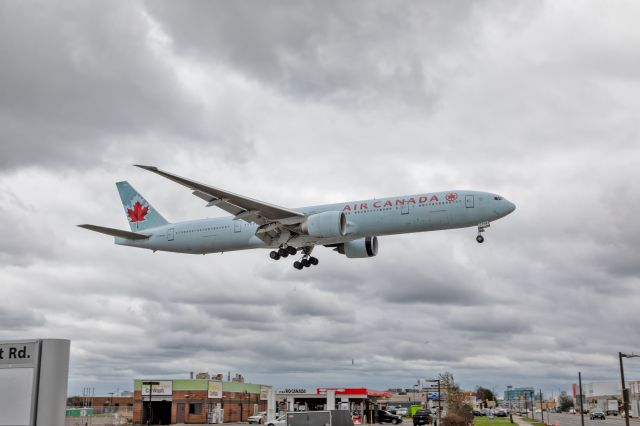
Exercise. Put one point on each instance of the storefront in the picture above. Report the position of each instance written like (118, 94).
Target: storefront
(196, 401)
(361, 402)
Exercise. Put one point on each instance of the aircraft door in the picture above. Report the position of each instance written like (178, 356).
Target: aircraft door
(170, 234)
(468, 201)
(237, 227)
(405, 208)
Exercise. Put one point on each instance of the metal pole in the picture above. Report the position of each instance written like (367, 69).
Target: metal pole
(581, 407)
(533, 404)
(149, 407)
(439, 399)
(625, 395)
(541, 411)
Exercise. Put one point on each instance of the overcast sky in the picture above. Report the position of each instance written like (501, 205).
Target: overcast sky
(300, 103)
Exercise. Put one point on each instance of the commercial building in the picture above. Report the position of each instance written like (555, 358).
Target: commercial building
(596, 395)
(362, 402)
(519, 394)
(312, 399)
(196, 401)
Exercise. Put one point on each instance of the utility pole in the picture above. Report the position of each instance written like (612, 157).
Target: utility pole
(625, 391)
(439, 397)
(541, 410)
(581, 407)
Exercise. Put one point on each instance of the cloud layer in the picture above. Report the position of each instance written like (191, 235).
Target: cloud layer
(303, 103)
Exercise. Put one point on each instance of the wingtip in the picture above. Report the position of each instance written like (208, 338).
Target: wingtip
(142, 166)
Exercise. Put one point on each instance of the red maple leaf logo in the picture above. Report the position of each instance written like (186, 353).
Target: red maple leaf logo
(138, 212)
(452, 196)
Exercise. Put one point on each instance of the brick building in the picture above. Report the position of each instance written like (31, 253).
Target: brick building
(100, 401)
(194, 400)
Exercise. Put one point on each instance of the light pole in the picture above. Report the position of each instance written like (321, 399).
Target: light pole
(439, 408)
(581, 406)
(541, 410)
(150, 384)
(625, 391)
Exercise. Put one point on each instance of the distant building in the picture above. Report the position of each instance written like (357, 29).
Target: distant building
(519, 394)
(596, 395)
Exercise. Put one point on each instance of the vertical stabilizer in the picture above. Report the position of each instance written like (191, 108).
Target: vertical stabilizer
(140, 214)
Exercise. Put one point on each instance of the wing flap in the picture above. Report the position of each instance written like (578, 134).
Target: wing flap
(115, 232)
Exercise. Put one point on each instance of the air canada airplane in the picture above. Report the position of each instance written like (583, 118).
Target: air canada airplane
(351, 228)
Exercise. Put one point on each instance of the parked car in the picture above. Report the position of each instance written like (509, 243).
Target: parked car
(386, 417)
(422, 417)
(623, 414)
(280, 421)
(572, 410)
(597, 414)
(478, 413)
(501, 412)
(401, 411)
(258, 418)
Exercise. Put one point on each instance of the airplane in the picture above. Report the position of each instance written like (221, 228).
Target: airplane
(351, 228)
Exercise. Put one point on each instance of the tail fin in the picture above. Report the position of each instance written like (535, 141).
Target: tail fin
(140, 213)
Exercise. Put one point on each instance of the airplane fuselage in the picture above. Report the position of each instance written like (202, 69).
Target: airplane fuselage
(373, 217)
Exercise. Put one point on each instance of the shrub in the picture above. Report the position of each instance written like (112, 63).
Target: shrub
(457, 419)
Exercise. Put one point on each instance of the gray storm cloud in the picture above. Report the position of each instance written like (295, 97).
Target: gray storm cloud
(302, 103)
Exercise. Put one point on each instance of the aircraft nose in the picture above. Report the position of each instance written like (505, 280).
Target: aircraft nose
(510, 207)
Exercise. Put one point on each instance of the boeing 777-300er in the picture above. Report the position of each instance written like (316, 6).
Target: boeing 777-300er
(351, 228)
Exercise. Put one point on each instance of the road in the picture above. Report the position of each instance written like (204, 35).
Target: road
(574, 420)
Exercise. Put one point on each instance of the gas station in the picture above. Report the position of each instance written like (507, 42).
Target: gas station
(361, 402)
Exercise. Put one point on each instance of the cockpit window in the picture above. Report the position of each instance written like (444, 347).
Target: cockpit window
(497, 198)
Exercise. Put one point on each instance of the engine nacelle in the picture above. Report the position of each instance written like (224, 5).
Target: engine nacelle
(362, 247)
(325, 225)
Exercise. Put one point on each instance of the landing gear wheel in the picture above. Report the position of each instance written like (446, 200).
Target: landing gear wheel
(282, 252)
(480, 239)
(291, 250)
(274, 255)
(297, 265)
(305, 263)
(313, 260)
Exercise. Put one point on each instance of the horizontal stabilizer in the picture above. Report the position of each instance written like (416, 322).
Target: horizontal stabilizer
(116, 232)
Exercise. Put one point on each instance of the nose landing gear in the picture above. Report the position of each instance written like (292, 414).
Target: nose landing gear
(481, 228)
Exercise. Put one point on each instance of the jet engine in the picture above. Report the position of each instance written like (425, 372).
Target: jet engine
(362, 247)
(325, 225)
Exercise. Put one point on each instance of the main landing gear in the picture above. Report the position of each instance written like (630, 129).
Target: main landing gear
(305, 262)
(286, 251)
(481, 228)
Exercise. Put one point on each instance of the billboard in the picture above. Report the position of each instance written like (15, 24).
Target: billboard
(214, 389)
(163, 388)
(264, 392)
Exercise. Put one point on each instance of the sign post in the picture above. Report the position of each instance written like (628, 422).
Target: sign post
(150, 384)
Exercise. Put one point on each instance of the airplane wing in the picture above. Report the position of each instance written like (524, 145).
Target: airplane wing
(115, 232)
(241, 207)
